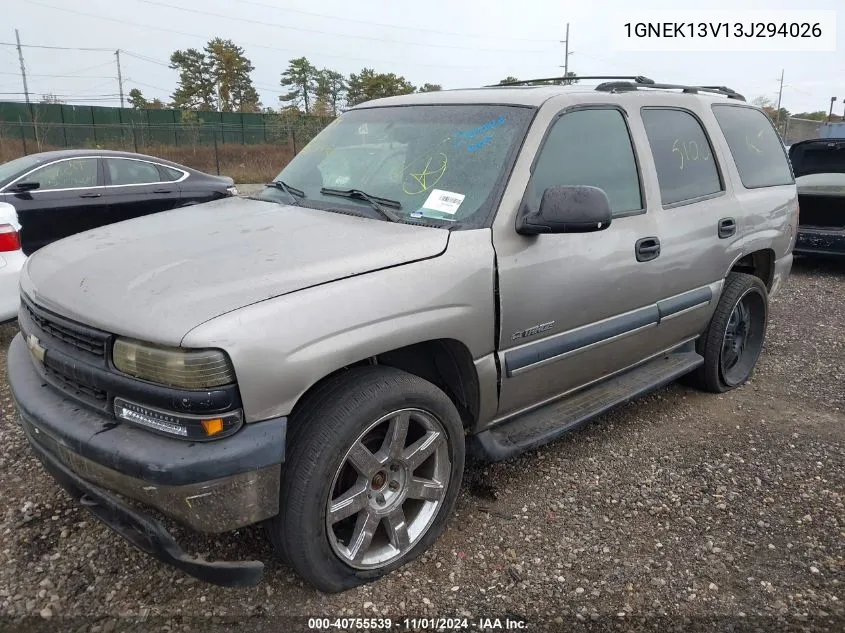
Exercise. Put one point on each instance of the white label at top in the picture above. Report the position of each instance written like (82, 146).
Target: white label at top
(444, 201)
(724, 30)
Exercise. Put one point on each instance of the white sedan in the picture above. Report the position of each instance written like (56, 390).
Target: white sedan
(11, 261)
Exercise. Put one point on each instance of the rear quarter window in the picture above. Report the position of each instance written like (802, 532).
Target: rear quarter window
(758, 153)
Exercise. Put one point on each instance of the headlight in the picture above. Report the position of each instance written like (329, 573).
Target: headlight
(173, 366)
(233, 191)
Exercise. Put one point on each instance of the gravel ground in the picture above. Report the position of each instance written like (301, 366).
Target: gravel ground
(682, 509)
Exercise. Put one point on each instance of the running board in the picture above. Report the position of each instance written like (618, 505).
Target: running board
(552, 420)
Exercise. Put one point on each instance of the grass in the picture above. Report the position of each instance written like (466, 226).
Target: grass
(243, 163)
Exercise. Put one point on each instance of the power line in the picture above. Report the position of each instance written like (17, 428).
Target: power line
(395, 26)
(331, 33)
(263, 46)
(58, 48)
(63, 76)
(144, 58)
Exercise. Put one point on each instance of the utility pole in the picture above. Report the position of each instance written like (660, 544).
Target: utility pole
(780, 94)
(566, 52)
(23, 67)
(119, 76)
(830, 114)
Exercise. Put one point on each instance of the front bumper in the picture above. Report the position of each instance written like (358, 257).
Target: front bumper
(212, 486)
(812, 241)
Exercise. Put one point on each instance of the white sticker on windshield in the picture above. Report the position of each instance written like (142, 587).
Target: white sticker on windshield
(444, 201)
(362, 129)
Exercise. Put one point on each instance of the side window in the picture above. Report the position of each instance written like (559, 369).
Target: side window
(168, 174)
(756, 149)
(590, 147)
(67, 174)
(131, 172)
(682, 154)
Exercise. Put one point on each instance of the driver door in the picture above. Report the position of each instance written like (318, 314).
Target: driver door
(577, 307)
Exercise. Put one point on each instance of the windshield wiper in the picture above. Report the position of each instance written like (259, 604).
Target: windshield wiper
(293, 192)
(378, 203)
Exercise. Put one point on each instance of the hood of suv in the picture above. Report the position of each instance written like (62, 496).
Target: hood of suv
(155, 278)
(818, 156)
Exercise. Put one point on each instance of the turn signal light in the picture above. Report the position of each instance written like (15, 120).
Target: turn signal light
(10, 239)
(213, 426)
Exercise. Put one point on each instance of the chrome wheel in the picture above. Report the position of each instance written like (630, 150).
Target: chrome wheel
(388, 489)
(743, 339)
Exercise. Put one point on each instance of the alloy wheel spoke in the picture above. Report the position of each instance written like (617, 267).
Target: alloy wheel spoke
(350, 502)
(397, 435)
(362, 535)
(397, 530)
(422, 449)
(363, 460)
(425, 489)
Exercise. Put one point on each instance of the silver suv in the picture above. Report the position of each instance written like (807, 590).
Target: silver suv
(434, 275)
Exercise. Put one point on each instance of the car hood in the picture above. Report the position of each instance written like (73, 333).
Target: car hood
(156, 278)
(818, 156)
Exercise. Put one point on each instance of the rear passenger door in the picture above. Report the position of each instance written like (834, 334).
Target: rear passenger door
(135, 188)
(697, 220)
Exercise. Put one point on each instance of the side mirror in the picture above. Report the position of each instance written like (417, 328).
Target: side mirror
(21, 187)
(574, 209)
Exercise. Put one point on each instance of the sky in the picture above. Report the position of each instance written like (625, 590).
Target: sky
(455, 43)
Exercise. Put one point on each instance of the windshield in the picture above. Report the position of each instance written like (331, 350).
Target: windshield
(444, 163)
(15, 167)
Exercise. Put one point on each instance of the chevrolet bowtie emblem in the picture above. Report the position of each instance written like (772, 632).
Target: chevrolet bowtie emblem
(34, 346)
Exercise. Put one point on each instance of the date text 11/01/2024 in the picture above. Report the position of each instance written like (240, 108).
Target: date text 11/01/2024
(721, 29)
(419, 624)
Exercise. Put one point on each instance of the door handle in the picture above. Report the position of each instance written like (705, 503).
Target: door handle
(647, 248)
(91, 194)
(727, 227)
(163, 191)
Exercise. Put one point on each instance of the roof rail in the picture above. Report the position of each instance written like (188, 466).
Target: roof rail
(639, 79)
(619, 86)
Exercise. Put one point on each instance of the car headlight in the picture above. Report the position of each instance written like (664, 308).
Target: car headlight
(233, 191)
(173, 366)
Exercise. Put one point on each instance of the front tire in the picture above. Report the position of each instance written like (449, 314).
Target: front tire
(373, 469)
(733, 341)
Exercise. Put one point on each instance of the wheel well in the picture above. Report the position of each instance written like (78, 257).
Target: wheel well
(446, 363)
(760, 264)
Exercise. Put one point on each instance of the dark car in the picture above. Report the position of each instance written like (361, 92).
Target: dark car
(819, 166)
(57, 194)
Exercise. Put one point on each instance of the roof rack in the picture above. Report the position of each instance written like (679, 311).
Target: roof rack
(639, 79)
(621, 83)
(619, 86)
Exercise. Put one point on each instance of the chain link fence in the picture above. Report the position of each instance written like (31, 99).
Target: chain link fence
(253, 151)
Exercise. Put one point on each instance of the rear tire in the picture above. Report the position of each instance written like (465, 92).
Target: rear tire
(732, 343)
(373, 469)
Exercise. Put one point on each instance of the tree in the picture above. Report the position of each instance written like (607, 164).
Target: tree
(139, 102)
(567, 82)
(136, 99)
(301, 80)
(50, 98)
(330, 91)
(368, 85)
(430, 88)
(818, 115)
(768, 107)
(221, 67)
(230, 69)
(196, 89)
(508, 80)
